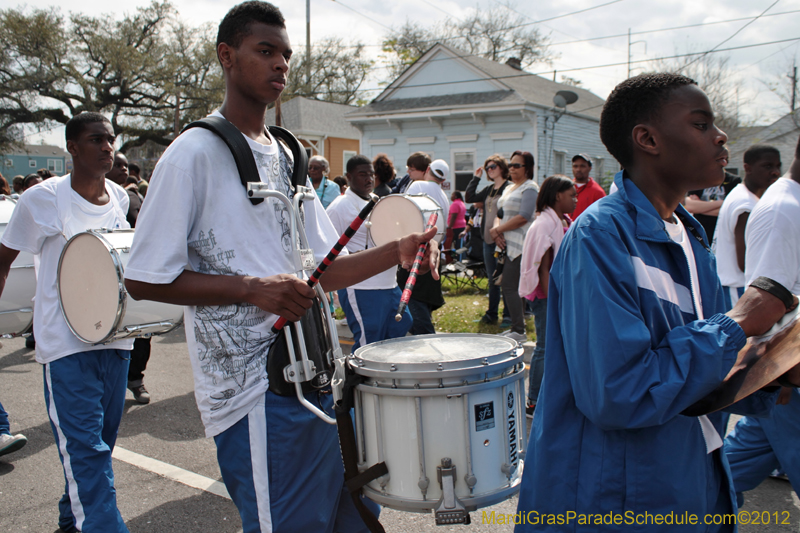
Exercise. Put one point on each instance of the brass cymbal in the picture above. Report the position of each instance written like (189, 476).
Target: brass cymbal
(758, 365)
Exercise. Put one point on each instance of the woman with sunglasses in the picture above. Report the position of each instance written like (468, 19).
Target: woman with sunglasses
(518, 204)
(497, 174)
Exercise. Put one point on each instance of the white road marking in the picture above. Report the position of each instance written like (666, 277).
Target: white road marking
(171, 472)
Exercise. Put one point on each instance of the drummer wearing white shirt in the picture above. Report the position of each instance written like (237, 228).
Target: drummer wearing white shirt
(370, 306)
(84, 384)
(762, 166)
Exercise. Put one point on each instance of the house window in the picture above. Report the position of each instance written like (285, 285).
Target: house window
(9, 163)
(32, 163)
(559, 162)
(55, 165)
(347, 155)
(463, 168)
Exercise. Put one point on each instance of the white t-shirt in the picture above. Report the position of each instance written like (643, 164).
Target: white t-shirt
(197, 217)
(434, 190)
(677, 232)
(773, 236)
(739, 201)
(37, 226)
(342, 211)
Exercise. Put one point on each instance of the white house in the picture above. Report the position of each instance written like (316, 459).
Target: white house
(463, 108)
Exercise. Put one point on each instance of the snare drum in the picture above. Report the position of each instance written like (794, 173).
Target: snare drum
(92, 295)
(430, 398)
(398, 215)
(16, 305)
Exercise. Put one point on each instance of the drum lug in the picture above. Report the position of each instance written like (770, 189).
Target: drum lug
(337, 383)
(449, 509)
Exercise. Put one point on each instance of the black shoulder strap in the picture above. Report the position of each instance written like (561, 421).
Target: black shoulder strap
(243, 155)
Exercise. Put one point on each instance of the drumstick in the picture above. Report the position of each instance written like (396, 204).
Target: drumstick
(334, 253)
(412, 276)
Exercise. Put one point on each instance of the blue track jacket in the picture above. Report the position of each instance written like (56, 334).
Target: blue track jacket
(625, 355)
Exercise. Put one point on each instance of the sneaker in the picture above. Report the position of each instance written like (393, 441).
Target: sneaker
(529, 409)
(779, 474)
(506, 323)
(11, 443)
(485, 320)
(140, 394)
(519, 337)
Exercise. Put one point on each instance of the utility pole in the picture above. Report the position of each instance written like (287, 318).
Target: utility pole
(793, 77)
(308, 43)
(629, 50)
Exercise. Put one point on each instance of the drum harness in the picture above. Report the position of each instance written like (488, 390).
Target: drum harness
(288, 376)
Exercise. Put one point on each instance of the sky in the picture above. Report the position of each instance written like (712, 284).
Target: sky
(743, 26)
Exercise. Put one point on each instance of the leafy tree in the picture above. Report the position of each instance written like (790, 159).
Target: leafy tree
(497, 34)
(337, 72)
(142, 71)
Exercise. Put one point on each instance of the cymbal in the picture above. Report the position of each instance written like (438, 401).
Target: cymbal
(757, 366)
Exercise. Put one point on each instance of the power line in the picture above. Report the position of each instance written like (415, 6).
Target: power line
(362, 14)
(590, 67)
(644, 32)
(729, 38)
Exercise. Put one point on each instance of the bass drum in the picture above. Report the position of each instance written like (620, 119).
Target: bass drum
(92, 295)
(16, 305)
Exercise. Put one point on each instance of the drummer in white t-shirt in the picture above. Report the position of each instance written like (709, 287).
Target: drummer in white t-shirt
(84, 384)
(758, 446)
(762, 166)
(370, 306)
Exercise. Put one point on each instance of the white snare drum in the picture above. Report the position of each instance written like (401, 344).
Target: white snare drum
(92, 295)
(430, 398)
(398, 215)
(16, 305)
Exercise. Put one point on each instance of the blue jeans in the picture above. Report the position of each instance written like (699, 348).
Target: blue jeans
(490, 262)
(539, 307)
(421, 313)
(5, 427)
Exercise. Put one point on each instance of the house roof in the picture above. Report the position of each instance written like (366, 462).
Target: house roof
(520, 87)
(39, 150)
(304, 116)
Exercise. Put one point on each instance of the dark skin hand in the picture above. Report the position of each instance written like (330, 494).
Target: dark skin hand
(738, 237)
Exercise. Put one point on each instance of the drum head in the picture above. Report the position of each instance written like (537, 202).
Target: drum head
(397, 215)
(90, 287)
(423, 355)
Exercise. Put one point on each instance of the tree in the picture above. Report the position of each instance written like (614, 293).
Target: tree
(142, 71)
(337, 72)
(497, 34)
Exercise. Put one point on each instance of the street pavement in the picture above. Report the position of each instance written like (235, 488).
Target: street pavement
(167, 477)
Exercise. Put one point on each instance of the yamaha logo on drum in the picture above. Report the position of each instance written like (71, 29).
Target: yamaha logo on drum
(512, 429)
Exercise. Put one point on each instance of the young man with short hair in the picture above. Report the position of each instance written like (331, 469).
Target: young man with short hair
(757, 446)
(84, 384)
(370, 306)
(762, 166)
(589, 191)
(231, 264)
(636, 333)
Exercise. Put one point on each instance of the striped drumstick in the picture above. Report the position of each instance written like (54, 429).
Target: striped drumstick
(334, 253)
(412, 276)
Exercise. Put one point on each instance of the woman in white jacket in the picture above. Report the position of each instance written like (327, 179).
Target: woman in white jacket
(557, 198)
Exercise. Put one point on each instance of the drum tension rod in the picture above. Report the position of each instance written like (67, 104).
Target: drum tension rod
(449, 509)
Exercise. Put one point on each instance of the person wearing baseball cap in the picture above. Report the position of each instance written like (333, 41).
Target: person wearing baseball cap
(589, 191)
(427, 294)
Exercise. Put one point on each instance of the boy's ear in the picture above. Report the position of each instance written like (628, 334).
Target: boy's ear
(645, 139)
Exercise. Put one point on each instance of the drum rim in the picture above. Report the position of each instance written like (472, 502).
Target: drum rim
(431, 370)
(122, 303)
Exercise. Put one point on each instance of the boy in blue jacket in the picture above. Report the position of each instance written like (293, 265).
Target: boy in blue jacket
(638, 336)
